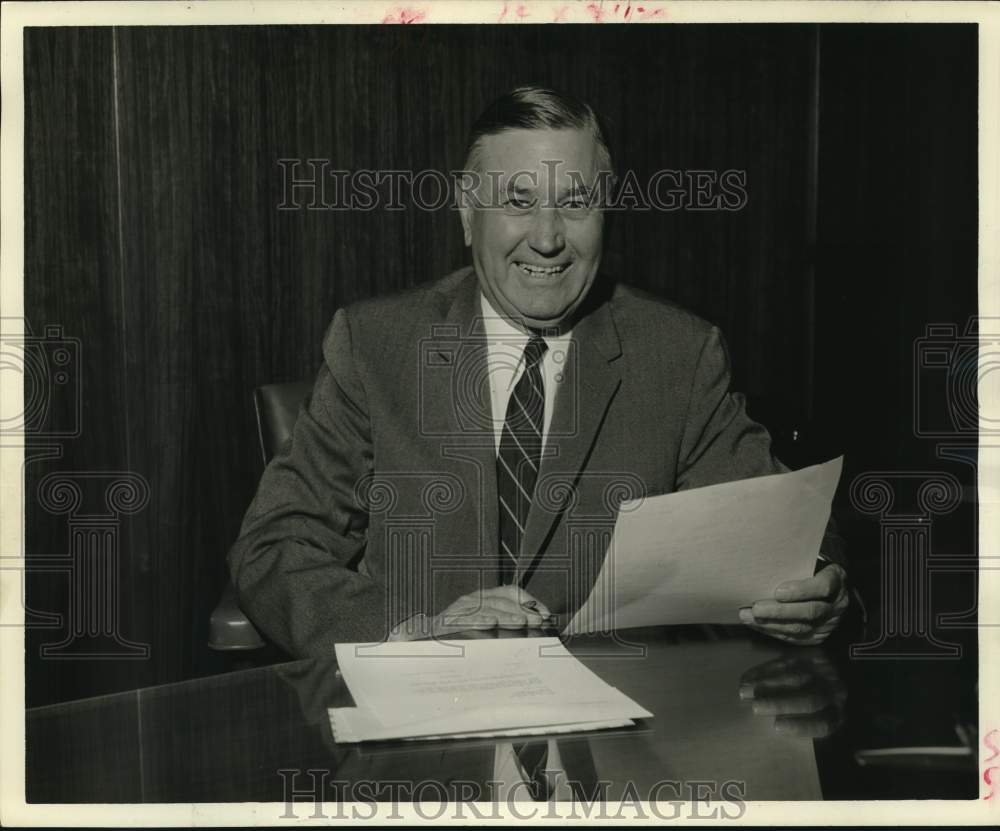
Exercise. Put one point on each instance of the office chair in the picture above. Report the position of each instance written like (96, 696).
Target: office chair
(276, 407)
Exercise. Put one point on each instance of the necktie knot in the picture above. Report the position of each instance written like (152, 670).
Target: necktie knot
(534, 351)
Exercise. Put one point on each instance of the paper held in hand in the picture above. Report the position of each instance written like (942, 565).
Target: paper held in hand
(461, 688)
(697, 556)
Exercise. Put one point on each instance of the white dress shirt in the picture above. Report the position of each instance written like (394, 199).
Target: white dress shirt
(505, 345)
(505, 360)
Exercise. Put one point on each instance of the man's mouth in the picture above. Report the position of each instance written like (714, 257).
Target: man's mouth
(542, 270)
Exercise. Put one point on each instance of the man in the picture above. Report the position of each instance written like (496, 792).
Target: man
(466, 445)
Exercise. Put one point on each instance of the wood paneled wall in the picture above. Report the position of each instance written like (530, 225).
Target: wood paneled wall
(898, 224)
(154, 235)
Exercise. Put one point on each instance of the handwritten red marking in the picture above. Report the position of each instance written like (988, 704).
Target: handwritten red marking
(560, 14)
(522, 12)
(988, 773)
(404, 16)
(503, 13)
(595, 12)
(988, 741)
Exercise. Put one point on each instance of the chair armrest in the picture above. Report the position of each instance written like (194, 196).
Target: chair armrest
(230, 629)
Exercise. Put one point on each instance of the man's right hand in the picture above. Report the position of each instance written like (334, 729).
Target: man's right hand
(503, 607)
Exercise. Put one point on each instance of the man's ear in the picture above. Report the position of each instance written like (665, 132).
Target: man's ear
(465, 212)
(464, 197)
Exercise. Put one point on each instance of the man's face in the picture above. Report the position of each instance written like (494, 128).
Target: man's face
(536, 245)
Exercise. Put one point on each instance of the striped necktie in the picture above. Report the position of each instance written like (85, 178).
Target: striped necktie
(519, 457)
(532, 758)
(577, 770)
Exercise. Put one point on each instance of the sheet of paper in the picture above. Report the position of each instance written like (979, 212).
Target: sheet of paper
(533, 731)
(356, 724)
(697, 556)
(472, 686)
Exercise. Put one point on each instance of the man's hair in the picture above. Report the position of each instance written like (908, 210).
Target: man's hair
(537, 108)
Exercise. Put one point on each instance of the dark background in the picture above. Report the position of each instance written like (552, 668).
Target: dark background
(153, 236)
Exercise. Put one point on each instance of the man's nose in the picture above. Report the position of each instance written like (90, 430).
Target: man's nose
(546, 235)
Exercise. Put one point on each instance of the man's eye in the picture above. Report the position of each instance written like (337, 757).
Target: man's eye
(519, 203)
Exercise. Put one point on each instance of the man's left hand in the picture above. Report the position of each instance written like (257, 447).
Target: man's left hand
(801, 690)
(802, 611)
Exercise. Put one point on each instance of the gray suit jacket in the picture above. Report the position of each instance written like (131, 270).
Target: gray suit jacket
(384, 503)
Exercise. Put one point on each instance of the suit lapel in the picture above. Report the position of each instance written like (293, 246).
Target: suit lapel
(463, 414)
(590, 381)
(465, 424)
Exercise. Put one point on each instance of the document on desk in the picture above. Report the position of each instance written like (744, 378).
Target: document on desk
(508, 686)
(697, 556)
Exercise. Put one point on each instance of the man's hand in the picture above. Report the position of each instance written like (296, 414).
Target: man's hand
(803, 692)
(802, 611)
(503, 607)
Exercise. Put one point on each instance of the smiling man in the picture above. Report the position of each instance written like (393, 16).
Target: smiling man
(460, 461)
(535, 236)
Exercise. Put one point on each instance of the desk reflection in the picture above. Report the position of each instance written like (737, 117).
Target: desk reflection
(736, 716)
(702, 731)
(803, 692)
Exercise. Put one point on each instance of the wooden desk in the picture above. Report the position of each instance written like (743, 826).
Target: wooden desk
(229, 737)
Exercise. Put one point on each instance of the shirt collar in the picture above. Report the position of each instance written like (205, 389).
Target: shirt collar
(498, 328)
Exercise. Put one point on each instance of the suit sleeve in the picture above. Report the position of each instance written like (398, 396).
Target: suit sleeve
(721, 443)
(304, 530)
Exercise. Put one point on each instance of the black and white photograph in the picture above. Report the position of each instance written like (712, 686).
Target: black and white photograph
(457, 412)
